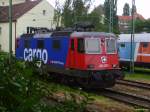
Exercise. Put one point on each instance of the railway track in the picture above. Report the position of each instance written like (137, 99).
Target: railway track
(127, 98)
(134, 84)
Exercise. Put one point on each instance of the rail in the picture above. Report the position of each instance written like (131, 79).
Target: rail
(127, 98)
(134, 84)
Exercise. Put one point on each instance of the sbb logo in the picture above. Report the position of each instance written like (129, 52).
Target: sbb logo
(104, 59)
(40, 54)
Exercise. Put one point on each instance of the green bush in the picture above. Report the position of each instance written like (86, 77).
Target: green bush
(21, 90)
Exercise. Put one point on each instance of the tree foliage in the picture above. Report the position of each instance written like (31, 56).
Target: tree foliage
(19, 91)
(133, 10)
(126, 10)
(97, 18)
(142, 26)
(22, 91)
(57, 13)
(75, 11)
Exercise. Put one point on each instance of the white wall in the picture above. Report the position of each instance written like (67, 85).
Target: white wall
(35, 18)
(4, 37)
(27, 20)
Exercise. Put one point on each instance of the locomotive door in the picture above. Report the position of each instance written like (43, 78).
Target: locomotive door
(72, 54)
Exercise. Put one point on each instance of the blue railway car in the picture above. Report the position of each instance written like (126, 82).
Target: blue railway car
(140, 50)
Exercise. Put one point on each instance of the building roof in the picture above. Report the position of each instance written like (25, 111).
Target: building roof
(129, 18)
(125, 18)
(17, 10)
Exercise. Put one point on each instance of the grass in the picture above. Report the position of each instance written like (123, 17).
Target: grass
(138, 77)
(106, 104)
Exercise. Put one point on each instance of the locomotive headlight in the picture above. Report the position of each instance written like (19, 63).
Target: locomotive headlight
(114, 66)
(90, 66)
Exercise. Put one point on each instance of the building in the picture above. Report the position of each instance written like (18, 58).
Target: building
(125, 22)
(6, 2)
(26, 13)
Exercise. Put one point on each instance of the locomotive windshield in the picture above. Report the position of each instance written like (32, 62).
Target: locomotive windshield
(111, 45)
(92, 45)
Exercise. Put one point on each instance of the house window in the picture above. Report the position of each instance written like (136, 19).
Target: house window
(40, 44)
(44, 12)
(3, 3)
(0, 30)
(56, 44)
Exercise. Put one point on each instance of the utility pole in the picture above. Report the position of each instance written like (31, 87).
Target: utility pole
(10, 30)
(113, 8)
(110, 16)
(132, 39)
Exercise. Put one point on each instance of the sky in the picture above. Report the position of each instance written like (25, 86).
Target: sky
(143, 6)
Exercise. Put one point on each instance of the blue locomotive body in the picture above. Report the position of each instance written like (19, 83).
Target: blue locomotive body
(49, 49)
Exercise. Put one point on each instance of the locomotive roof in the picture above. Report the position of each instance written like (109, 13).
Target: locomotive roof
(91, 34)
(69, 34)
(145, 37)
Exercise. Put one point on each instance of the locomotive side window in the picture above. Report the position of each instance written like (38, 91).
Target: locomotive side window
(56, 44)
(92, 45)
(111, 45)
(26, 43)
(40, 44)
(81, 45)
(144, 44)
(122, 45)
(72, 44)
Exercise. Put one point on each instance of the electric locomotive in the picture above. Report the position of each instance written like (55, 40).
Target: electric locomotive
(88, 58)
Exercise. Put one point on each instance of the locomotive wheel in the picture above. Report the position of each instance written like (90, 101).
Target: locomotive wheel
(119, 74)
(83, 82)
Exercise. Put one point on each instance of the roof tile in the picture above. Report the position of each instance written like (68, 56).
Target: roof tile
(17, 10)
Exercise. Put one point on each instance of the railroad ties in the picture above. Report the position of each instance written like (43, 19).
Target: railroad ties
(127, 98)
(134, 84)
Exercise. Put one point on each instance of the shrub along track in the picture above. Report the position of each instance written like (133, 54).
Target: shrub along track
(125, 97)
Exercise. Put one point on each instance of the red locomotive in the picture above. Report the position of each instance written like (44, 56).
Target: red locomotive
(87, 58)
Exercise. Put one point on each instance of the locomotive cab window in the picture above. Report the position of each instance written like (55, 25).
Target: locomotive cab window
(92, 45)
(111, 45)
(40, 44)
(56, 44)
(72, 44)
(26, 43)
(81, 48)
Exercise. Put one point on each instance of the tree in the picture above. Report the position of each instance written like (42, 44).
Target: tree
(75, 11)
(97, 18)
(126, 10)
(134, 10)
(57, 13)
(114, 17)
(67, 15)
(142, 26)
